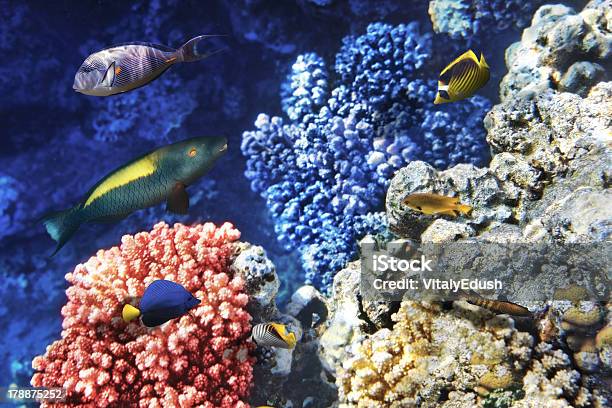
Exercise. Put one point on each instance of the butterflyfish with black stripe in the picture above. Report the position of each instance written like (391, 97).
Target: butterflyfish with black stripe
(273, 335)
(125, 67)
(462, 78)
(160, 175)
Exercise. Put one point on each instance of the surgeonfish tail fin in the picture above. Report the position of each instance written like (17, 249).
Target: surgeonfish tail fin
(464, 209)
(193, 51)
(61, 225)
(129, 313)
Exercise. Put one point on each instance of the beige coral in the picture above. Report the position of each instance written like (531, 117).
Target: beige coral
(429, 353)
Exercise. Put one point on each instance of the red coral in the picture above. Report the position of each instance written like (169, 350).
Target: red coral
(202, 360)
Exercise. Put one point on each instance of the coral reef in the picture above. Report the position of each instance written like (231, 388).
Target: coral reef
(280, 375)
(547, 181)
(431, 356)
(359, 123)
(199, 359)
(548, 173)
(427, 354)
(562, 50)
(326, 170)
(469, 18)
(305, 91)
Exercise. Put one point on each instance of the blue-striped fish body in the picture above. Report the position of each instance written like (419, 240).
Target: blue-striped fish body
(124, 67)
(160, 175)
(462, 78)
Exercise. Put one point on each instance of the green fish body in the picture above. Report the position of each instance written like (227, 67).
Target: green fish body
(160, 175)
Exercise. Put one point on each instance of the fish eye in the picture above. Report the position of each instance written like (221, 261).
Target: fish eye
(192, 152)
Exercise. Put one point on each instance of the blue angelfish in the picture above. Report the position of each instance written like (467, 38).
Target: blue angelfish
(163, 300)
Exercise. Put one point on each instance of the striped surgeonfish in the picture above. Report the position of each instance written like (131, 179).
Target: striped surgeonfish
(273, 335)
(124, 67)
(162, 174)
(462, 78)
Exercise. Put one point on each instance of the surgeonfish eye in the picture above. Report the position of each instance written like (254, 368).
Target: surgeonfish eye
(192, 152)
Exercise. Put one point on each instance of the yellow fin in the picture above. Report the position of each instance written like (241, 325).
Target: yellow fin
(140, 168)
(483, 62)
(452, 213)
(287, 337)
(464, 208)
(129, 313)
(469, 54)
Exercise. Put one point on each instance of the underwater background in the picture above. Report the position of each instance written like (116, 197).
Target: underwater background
(322, 102)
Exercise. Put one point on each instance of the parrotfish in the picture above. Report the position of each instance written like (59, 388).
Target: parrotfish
(462, 78)
(148, 180)
(273, 335)
(162, 301)
(435, 204)
(124, 67)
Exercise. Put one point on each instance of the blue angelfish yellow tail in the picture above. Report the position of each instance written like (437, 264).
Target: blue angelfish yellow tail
(129, 313)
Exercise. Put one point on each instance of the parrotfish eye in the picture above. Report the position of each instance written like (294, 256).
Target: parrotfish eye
(192, 152)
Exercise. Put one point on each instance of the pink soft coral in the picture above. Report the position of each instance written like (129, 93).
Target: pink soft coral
(103, 361)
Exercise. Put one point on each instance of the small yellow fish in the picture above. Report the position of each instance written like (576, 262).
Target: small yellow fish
(462, 78)
(273, 335)
(435, 204)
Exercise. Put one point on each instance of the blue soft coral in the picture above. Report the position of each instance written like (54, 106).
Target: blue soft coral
(306, 89)
(325, 172)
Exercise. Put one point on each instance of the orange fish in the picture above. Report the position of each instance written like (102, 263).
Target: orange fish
(435, 204)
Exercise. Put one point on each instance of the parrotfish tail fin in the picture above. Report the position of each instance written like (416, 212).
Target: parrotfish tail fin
(464, 209)
(61, 225)
(129, 313)
(192, 50)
